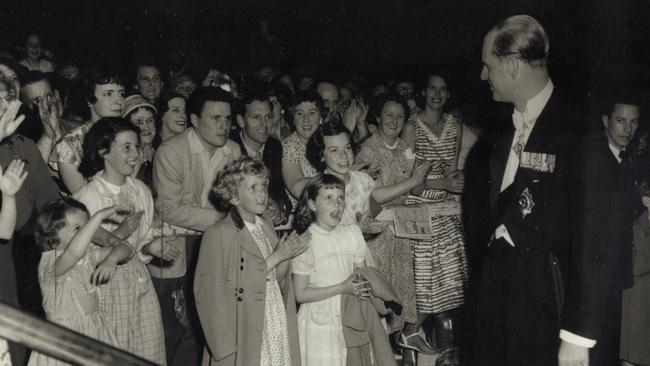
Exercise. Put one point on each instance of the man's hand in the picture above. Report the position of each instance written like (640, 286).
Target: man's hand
(49, 109)
(573, 355)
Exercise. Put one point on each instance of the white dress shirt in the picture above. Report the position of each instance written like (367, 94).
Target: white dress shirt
(524, 123)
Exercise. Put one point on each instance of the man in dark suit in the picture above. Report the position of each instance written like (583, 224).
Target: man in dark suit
(601, 262)
(521, 288)
(254, 118)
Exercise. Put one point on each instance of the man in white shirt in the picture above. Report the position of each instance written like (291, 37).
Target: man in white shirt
(184, 170)
(521, 287)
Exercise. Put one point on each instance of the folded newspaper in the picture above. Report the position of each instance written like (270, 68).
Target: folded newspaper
(414, 221)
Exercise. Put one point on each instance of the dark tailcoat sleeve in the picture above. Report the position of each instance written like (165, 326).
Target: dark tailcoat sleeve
(602, 198)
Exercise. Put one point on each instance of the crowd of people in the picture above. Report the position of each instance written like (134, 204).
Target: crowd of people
(202, 218)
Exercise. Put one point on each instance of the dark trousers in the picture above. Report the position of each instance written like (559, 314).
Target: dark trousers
(181, 345)
(518, 309)
(183, 342)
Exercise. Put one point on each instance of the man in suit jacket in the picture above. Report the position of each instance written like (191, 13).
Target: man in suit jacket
(184, 170)
(520, 292)
(601, 264)
(254, 118)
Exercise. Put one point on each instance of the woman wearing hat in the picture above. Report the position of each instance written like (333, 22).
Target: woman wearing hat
(143, 115)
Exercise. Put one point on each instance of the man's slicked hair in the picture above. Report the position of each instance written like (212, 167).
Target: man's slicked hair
(522, 36)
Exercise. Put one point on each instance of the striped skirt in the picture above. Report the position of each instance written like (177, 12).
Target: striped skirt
(440, 267)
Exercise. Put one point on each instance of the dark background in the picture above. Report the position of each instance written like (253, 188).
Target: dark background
(594, 44)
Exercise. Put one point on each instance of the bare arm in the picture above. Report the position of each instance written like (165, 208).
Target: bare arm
(105, 270)
(10, 183)
(387, 193)
(408, 135)
(306, 294)
(77, 247)
(71, 177)
(294, 180)
(7, 216)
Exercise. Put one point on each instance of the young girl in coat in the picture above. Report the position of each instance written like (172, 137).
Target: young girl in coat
(325, 271)
(110, 152)
(67, 269)
(241, 268)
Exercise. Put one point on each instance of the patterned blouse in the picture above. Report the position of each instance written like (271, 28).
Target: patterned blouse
(295, 151)
(69, 149)
(396, 162)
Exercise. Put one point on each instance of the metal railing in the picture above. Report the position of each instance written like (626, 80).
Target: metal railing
(59, 342)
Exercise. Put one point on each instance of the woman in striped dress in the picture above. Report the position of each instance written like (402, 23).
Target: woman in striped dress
(439, 263)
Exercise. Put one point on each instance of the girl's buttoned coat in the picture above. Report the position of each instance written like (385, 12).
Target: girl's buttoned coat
(230, 293)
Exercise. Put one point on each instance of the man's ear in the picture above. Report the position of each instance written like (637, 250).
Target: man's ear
(240, 121)
(194, 119)
(512, 66)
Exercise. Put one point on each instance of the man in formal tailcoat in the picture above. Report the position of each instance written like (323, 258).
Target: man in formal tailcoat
(521, 290)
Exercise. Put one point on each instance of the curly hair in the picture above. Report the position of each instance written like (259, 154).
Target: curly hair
(51, 219)
(225, 186)
(316, 144)
(304, 215)
(306, 97)
(99, 140)
(377, 106)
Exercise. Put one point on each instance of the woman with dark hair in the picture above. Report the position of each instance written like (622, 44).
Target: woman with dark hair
(330, 150)
(306, 112)
(172, 116)
(130, 304)
(440, 263)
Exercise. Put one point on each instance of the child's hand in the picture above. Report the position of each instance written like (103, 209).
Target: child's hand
(357, 286)
(293, 245)
(370, 226)
(129, 225)
(105, 213)
(104, 272)
(168, 252)
(13, 178)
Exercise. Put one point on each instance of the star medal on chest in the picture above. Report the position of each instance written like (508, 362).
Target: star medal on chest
(526, 203)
